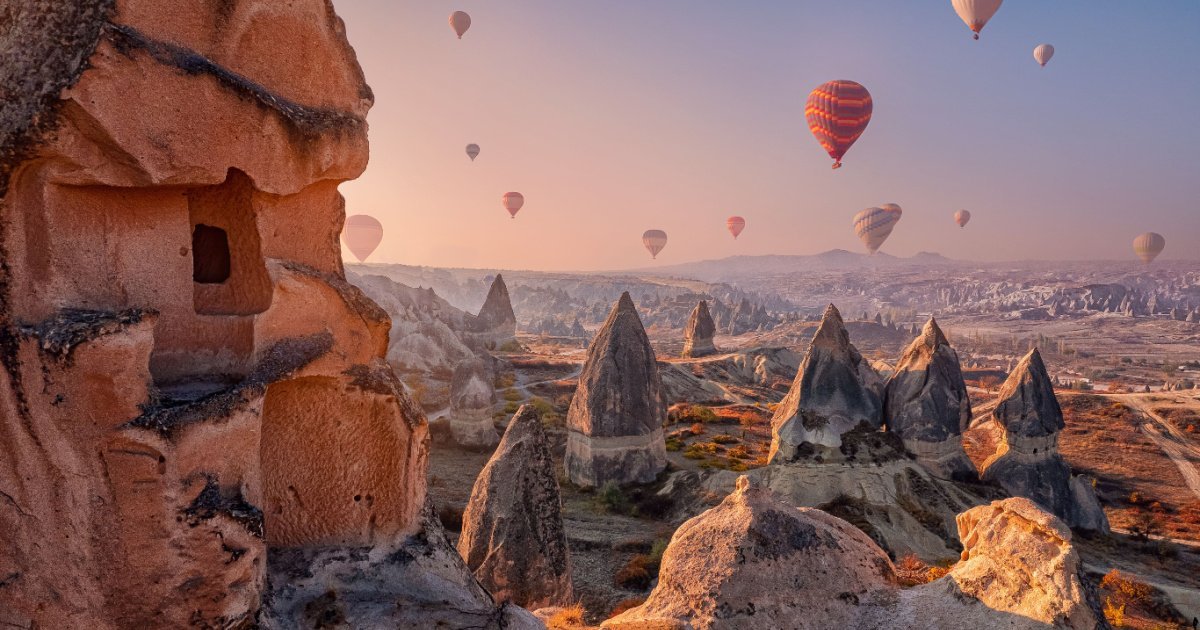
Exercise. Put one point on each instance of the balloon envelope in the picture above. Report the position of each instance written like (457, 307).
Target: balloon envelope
(837, 113)
(655, 241)
(735, 224)
(362, 235)
(460, 22)
(513, 202)
(1043, 53)
(1148, 246)
(874, 225)
(472, 151)
(962, 217)
(976, 13)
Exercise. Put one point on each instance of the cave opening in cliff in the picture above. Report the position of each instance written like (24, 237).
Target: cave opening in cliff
(229, 272)
(210, 254)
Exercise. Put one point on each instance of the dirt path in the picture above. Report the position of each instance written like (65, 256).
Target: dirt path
(1172, 442)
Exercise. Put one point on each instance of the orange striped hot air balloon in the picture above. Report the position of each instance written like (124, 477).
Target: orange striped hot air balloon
(874, 225)
(513, 202)
(362, 235)
(1148, 246)
(460, 22)
(655, 241)
(735, 224)
(837, 113)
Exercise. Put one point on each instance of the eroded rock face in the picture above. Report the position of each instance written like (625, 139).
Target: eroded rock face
(472, 398)
(698, 334)
(615, 422)
(756, 562)
(836, 391)
(513, 536)
(1018, 570)
(190, 385)
(926, 404)
(496, 321)
(1027, 462)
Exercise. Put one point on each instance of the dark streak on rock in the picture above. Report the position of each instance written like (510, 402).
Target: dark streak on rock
(213, 501)
(68, 329)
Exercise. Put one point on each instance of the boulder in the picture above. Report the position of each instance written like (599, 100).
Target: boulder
(513, 537)
(927, 406)
(615, 421)
(698, 335)
(1027, 462)
(835, 391)
(472, 399)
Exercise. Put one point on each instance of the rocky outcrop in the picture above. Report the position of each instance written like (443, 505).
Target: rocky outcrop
(513, 537)
(756, 562)
(1027, 462)
(927, 406)
(472, 399)
(496, 325)
(698, 334)
(615, 422)
(835, 392)
(1018, 570)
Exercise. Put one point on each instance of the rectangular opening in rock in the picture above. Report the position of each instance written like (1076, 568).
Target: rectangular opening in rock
(210, 255)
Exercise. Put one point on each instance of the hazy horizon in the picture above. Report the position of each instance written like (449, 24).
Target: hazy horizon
(619, 117)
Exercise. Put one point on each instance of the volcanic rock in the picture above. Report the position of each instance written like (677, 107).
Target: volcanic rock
(1027, 462)
(698, 335)
(835, 391)
(615, 422)
(926, 405)
(756, 562)
(496, 324)
(513, 536)
(472, 398)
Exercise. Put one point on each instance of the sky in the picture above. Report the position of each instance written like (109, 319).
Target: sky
(617, 116)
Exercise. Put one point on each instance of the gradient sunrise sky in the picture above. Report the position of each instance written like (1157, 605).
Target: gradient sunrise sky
(616, 116)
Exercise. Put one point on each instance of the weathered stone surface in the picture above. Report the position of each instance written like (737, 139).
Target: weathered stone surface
(615, 422)
(1027, 462)
(1018, 570)
(835, 391)
(698, 334)
(416, 583)
(755, 562)
(926, 404)
(472, 398)
(513, 537)
(496, 322)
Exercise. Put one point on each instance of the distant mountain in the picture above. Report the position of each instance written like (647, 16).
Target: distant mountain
(734, 267)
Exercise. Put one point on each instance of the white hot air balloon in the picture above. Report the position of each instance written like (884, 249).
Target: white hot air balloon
(655, 241)
(962, 217)
(976, 13)
(472, 151)
(1148, 246)
(874, 225)
(1043, 53)
(362, 235)
(460, 22)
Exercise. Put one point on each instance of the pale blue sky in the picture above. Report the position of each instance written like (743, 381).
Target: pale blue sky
(617, 116)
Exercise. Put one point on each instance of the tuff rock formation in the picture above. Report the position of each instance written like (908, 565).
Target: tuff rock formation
(1027, 462)
(496, 324)
(190, 386)
(472, 399)
(835, 392)
(615, 422)
(513, 536)
(926, 405)
(757, 562)
(698, 335)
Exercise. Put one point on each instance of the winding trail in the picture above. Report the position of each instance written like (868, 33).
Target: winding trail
(1173, 442)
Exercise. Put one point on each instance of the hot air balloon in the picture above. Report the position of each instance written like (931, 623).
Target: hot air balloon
(962, 217)
(460, 22)
(655, 241)
(513, 202)
(362, 235)
(1148, 246)
(472, 151)
(976, 13)
(1043, 53)
(837, 113)
(735, 224)
(874, 225)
